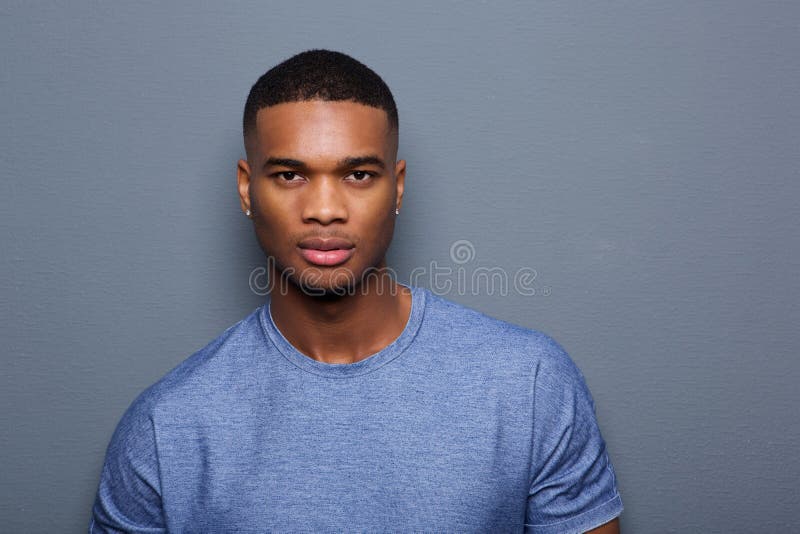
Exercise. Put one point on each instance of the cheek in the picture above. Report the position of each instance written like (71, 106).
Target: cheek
(274, 205)
(379, 203)
(377, 225)
(376, 215)
(273, 223)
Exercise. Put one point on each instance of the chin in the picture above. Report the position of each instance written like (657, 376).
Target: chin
(328, 285)
(332, 283)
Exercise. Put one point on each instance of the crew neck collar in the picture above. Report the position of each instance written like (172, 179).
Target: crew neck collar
(346, 370)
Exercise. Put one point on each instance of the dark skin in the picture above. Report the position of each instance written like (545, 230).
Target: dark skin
(329, 169)
(612, 527)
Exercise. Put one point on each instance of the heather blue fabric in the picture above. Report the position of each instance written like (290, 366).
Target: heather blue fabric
(463, 424)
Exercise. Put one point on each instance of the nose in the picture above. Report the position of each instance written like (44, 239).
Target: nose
(324, 202)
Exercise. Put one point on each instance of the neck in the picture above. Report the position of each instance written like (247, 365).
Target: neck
(343, 329)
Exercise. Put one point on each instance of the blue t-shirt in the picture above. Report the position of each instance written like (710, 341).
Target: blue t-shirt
(463, 424)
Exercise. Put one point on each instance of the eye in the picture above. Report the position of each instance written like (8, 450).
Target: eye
(360, 176)
(288, 176)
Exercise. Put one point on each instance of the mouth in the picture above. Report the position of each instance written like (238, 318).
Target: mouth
(326, 252)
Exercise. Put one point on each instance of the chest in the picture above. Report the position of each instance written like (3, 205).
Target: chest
(352, 460)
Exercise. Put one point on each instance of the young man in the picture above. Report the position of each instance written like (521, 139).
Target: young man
(349, 402)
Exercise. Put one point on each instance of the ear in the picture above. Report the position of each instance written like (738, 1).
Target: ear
(400, 179)
(243, 179)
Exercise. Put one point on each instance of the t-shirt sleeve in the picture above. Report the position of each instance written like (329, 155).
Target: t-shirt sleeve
(129, 494)
(573, 485)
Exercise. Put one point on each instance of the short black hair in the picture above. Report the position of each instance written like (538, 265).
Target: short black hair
(318, 75)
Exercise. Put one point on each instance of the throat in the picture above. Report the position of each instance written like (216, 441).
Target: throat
(346, 329)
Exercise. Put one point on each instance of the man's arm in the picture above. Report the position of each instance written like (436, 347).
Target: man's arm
(612, 527)
(573, 486)
(129, 493)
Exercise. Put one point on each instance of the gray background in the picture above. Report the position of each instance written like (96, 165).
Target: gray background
(642, 157)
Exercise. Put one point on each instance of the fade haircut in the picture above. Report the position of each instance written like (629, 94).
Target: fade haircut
(318, 75)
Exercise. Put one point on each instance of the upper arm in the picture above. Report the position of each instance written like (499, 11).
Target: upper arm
(612, 527)
(129, 493)
(573, 485)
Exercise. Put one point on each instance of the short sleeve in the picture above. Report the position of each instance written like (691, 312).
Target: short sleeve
(129, 494)
(573, 485)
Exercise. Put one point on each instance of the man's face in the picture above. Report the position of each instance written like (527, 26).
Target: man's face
(322, 184)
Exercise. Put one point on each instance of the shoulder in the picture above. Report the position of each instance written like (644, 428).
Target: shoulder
(471, 330)
(202, 373)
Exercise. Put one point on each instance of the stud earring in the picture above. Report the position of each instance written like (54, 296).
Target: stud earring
(397, 211)
(247, 213)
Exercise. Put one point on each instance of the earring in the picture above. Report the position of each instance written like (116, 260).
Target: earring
(247, 213)
(397, 211)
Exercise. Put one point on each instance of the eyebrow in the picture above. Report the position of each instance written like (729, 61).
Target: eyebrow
(348, 162)
(284, 162)
(362, 160)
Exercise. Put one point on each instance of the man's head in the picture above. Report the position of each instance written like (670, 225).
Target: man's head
(321, 177)
(318, 75)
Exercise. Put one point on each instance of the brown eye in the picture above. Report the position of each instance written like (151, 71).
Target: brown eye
(359, 176)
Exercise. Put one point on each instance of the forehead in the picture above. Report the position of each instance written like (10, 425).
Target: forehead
(319, 128)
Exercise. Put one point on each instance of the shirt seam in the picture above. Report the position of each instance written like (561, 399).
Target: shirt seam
(264, 331)
(616, 496)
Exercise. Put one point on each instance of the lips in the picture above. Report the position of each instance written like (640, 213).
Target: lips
(326, 252)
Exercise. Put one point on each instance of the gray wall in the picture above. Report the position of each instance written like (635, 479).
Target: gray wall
(642, 157)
